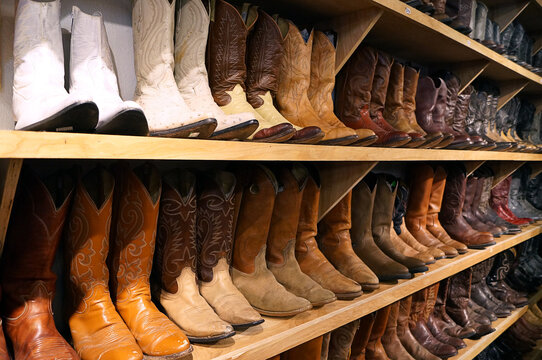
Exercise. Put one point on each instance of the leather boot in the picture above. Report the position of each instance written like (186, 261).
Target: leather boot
(386, 190)
(457, 303)
(294, 81)
(472, 123)
(282, 234)
(265, 49)
(361, 338)
(258, 187)
(311, 260)
(451, 213)
(156, 92)
(479, 29)
(363, 242)
(461, 138)
(322, 84)
(94, 323)
(461, 11)
(374, 349)
(408, 251)
(431, 108)
(410, 87)
(418, 327)
(421, 180)
(499, 203)
(135, 217)
(460, 117)
(28, 282)
(341, 340)
(307, 351)
(408, 340)
(435, 203)
(228, 73)
(433, 325)
(410, 240)
(353, 97)
(440, 319)
(325, 346)
(440, 12)
(336, 245)
(191, 33)
(440, 113)
(175, 262)
(394, 349)
(482, 295)
(468, 212)
(480, 208)
(515, 200)
(214, 234)
(4, 353)
(497, 285)
(394, 111)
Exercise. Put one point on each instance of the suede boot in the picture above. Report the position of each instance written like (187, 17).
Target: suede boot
(363, 242)
(361, 338)
(435, 202)
(135, 218)
(341, 340)
(28, 282)
(451, 216)
(307, 351)
(311, 260)
(495, 280)
(282, 234)
(421, 179)
(374, 349)
(250, 274)
(394, 349)
(336, 245)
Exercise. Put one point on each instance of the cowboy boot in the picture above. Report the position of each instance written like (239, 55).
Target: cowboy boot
(468, 209)
(336, 245)
(265, 49)
(341, 340)
(497, 285)
(40, 102)
(479, 211)
(439, 114)
(394, 111)
(175, 262)
(435, 203)
(156, 91)
(282, 234)
(191, 33)
(499, 203)
(353, 97)
(28, 282)
(250, 274)
(394, 349)
(433, 326)
(490, 118)
(515, 203)
(311, 260)
(461, 138)
(325, 346)
(483, 296)
(471, 126)
(215, 230)
(386, 190)
(135, 217)
(460, 117)
(479, 30)
(418, 204)
(440, 12)
(362, 237)
(418, 327)
(431, 108)
(94, 323)
(322, 84)
(361, 338)
(451, 216)
(408, 251)
(374, 349)
(461, 11)
(294, 82)
(482, 115)
(225, 60)
(307, 351)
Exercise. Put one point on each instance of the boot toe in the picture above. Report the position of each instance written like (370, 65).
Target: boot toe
(339, 136)
(123, 352)
(278, 133)
(170, 344)
(307, 135)
(450, 252)
(319, 296)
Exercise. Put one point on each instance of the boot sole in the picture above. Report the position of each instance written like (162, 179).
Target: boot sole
(395, 277)
(282, 313)
(481, 246)
(369, 140)
(170, 356)
(239, 131)
(419, 269)
(323, 302)
(395, 143)
(126, 122)
(80, 117)
(347, 140)
(200, 129)
(278, 138)
(309, 140)
(349, 296)
(247, 325)
(209, 339)
(370, 287)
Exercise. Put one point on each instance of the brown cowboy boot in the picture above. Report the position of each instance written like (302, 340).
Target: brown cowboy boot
(340, 341)
(432, 325)
(135, 218)
(374, 349)
(28, 282)
(98, 331)
(361, 338)
(390, 340)
(439, 114)
(310, 350)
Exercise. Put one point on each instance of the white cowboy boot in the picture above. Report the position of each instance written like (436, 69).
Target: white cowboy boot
(191, 75)
(156, 91)
(40, 101)
(93, 75)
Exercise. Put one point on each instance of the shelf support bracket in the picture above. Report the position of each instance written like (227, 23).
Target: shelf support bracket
(504, 15)
(9, 177)
(509, 89)
(338, 178)
(537, 46)
(536, 169)
(472, 166)
(503, 169)
(351, 30)
(468, 71)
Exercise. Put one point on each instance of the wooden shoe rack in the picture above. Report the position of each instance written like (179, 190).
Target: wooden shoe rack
(389, 25)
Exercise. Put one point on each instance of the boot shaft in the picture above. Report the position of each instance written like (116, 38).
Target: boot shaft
(437, 191)
(432, 292)
(460, 285)
(322, 79)
(426, 97)
(419, 304)
(454, 195)
(386, 190)
(336, 225)
(499, 194)
(453, 85)
(379, 326)
(421, 180)
(308, 215)
(462, 109)
(410, 86)
(362, 337)
(439, 111)
(361, 231)
(380, 84)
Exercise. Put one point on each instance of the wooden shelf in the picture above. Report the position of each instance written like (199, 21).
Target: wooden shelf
(45, 145)
(277, 335)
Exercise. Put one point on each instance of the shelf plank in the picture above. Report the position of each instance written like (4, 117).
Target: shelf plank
(275, 336)
(45, 145)
(505, 14)
(9, 177)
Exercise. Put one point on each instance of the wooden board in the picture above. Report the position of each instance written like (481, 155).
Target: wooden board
(9, 177)
(42, 145)
(275, 335)
(503, 169)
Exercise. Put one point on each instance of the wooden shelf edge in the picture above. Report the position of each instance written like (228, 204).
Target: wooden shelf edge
(277, 335)
(48, 145)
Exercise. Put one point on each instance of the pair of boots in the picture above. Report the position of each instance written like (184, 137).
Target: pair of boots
(499, 202)
(517, 201)
(40, 101)
(525, 274)
(496, 280)
(471, 208)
